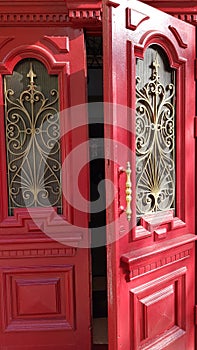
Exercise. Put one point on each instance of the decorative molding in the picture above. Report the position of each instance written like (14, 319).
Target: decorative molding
(156, 300)
(36, 253)
(40, 313)
(146, 268)
(158, 223)
(134, 18)
(42, 221)
(183, 10)
(50, 12)
(113, 3)
(140, 262)
(30, 18)
(187, 17)
(4, 40)
(84, 15)
(178, 37)
(60, 43)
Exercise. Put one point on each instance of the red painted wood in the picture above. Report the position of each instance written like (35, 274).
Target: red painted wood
(184, 10)
(150, 269)
(43, 302)
(100, 347)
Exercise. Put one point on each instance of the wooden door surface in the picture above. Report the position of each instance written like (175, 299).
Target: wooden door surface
(43, 269)
(149, 97)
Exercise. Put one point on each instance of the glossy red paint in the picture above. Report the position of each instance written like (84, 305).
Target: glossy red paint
(150, 272)
(45, 287)
(43, 302)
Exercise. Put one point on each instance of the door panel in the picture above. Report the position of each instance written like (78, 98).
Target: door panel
(43, 304)
(149, 115)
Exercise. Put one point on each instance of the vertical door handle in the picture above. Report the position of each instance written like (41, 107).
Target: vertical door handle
(128, 190)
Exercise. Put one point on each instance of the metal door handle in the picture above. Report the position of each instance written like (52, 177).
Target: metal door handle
(128, 190)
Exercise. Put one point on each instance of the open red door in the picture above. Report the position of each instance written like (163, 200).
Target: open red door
(149, 144)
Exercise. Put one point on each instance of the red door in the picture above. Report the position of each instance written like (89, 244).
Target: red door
(42, 269)
(149, 144)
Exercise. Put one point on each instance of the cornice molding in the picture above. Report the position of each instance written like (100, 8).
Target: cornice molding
(15, 19)
(187, 17)
(49, 13)
(84, 14)
(183, 10)
(73, 17)
(78, 13)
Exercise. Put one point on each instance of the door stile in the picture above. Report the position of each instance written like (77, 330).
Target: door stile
(149, 264)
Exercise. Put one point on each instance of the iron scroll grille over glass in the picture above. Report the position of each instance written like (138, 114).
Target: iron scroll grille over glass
(155, 133)
(32, 136)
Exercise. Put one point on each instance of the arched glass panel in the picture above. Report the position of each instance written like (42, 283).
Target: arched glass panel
(32, 136)
(155, 133)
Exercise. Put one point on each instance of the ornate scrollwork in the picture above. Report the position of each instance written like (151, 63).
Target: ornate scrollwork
(33, 148)
(155, 144)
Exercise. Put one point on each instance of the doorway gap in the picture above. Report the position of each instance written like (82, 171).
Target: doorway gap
(97, 190)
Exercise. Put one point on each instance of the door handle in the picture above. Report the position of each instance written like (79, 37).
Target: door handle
(128, 190)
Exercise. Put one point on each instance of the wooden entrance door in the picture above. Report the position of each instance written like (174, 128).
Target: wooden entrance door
(149, 143)
(43, 267)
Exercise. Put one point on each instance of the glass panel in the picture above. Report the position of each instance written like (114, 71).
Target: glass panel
(32, 136)
(155, 133)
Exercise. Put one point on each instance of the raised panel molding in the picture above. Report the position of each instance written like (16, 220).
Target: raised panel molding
(134, 18)
(60, 43)
(38, 298)
(158, 310)
(4, 40)
(178, 37)
(37, 221)
(159, 224)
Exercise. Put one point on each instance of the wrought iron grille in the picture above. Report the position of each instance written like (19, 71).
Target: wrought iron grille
(94, 51)
(155, 133)
(32, 136)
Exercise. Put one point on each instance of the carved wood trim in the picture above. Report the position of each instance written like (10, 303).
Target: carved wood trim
(57, 313)
(183, 10)
(158, 223)
(60, 43)
(74, 16)
(135, 18)
(30, 19)
(167, 290)
(84, 15)
(143, 261)
(178, 37)
(144, 269)
(188, 17)
(36, 253)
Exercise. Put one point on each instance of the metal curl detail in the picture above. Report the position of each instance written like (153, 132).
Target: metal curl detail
(33, 147)
(155, 144)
